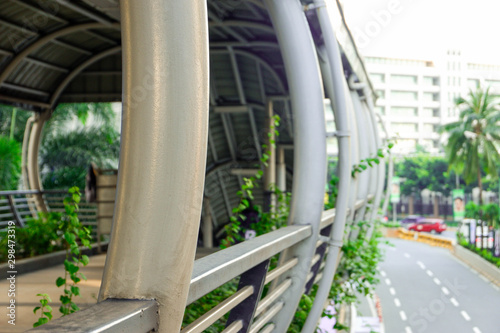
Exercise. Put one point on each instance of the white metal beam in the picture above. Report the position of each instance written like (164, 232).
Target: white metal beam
(163, 155)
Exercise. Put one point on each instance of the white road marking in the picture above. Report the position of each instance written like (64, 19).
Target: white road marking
(383, 273)
(429, 273)
(403, 315)
(397, 302)
(388, 282)
(445, 290)
(454, 301)
(407, 255)
(408, 329)
(421, 264)
(483, 278)
(465, 315)
(392, 291)
(436, 281)
(476, 330)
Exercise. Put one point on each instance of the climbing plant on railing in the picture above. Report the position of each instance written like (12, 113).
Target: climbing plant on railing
(245, 195)
(73, 234)
(371, 161)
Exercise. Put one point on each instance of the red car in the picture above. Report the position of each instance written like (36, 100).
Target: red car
(429, 225)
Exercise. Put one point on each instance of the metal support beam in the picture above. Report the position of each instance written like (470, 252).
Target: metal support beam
(160, 183)
(270, 169)
(338, 93)
(32, 158)
(208, 237)
(306, 93)
(281, 170)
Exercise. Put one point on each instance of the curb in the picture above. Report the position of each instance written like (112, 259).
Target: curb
(484, 267)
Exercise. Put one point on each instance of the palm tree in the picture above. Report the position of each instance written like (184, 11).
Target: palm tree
(474, 138)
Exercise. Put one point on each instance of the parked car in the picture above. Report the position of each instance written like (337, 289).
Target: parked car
(429, 225)
(411, 219)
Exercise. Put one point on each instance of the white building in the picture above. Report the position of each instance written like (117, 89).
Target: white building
(417, 96)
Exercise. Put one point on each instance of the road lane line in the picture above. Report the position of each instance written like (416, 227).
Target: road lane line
(392, 291)
(445, 290)
(436, 281)
(388, 282)
(454, 301)
(421, 264)
(408, 329)
(407, 255)
(465, 315)
(429, 273)
(383, 273)
(397, 302)
(483, 278)
(476, 330)
(403, 315)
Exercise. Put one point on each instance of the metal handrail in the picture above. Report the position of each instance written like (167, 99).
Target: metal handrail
(218, 268)
(112, 315)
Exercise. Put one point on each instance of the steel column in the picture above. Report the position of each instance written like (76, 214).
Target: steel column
(306, 93)
(32, 166)
(281, 170)
(339, 95)
(270, 169)
(163, 155)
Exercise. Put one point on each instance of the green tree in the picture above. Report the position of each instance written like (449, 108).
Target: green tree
(92, 138)
(10, 163)
(473, 139)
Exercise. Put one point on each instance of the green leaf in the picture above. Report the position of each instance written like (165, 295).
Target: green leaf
(49, 315)
(84, 260)
(36, 309)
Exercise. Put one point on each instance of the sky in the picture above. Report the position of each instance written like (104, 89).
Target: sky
(425, 29)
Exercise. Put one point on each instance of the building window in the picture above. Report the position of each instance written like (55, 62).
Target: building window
(380, 94)
(404, 128)
(404, 95)
(431, 97)
(431, 81)
(429, 112)
(429, 128)
(377, 78)
(404, 79)
(380, 110)
(472, 83)
(403, 111)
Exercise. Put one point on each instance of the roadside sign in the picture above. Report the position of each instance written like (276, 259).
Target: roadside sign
(458, 204)
(395, 190)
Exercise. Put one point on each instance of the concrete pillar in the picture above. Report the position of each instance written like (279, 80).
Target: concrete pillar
(208, 239)
(281, 170)
(163, 155)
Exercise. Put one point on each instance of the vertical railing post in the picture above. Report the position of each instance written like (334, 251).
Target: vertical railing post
(306, 94)
(270, 169)
(163, 155)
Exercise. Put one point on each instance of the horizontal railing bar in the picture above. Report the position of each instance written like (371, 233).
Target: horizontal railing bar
(268, 329)
(269, 299)
(318, 277)
(25, 192)
(315, 259)
(200, 324)
(218, 268)
(6, 215)
(235, 327)
(280, 270)
(327, 218)
(112, 315)
(257, 325)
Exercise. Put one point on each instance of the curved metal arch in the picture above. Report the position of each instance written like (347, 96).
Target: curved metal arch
(260, 61)
(242, 24)
(46, 39)
(77, 70)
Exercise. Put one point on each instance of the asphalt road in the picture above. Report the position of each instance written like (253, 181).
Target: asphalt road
(426, 289)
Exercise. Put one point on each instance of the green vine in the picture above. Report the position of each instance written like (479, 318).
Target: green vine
(245, 194)
(370, 161)
(73, 234)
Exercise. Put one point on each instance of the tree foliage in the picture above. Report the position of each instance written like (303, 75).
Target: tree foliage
(473, 139)
(10, 163)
